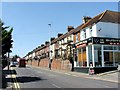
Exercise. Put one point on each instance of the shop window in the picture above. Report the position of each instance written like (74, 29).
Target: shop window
(108, 58)
(90, 54)
(97, 55)
(116, 47)
(117, 57)
(108, 47)
(82, 56)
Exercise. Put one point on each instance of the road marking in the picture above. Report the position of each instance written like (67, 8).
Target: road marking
(15, 82)
(67, 74)
(17, 86)
(56, 86)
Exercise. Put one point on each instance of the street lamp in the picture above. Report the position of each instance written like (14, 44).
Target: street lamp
(50, 56)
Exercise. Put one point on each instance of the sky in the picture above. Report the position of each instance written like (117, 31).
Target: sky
(30, 20)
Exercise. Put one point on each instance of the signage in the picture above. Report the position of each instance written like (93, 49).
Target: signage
(98, 40)
(111, 41)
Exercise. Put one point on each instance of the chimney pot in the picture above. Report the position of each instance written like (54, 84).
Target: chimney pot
(60, 34)
(70, 28)
(86, 18)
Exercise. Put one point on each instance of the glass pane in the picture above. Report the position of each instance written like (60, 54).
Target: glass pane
(108, 47)
(108, 58)
(82, 56)
(97, 56)
(117, 57)
(116, 47)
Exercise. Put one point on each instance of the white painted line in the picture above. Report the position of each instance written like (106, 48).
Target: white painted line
(56, 86)
(67, 74)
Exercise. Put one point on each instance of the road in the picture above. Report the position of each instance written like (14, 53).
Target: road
(31, 77)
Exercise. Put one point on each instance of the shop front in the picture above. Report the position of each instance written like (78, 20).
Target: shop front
(98, 53)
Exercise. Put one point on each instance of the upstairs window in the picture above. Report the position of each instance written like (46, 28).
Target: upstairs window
(84, 34)
(91, 32)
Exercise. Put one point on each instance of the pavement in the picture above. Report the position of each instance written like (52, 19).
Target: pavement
(7, 79)
(111, 76)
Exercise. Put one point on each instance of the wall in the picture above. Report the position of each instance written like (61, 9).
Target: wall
(102, 29)
(57, 64)
(107, 30)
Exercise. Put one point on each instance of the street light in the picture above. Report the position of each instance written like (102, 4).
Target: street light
(50, 56)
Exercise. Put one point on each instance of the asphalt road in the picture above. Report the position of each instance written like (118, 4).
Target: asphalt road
(30, 77)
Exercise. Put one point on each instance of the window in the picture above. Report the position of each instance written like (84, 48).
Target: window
(77, 37)
(108, 47)
(116, 47)
(84, 33)
(91, 32)
(82, 57)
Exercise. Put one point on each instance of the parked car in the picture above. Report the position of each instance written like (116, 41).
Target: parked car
(12, 64)
(15, 62)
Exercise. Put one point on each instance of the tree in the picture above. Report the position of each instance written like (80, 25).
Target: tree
(6, 38)
(15, 57)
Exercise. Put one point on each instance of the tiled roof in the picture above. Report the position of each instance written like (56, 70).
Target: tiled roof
(63, 36)
(107, 16)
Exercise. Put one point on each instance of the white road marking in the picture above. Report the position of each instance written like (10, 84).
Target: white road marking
(67, 74)
(56, 86)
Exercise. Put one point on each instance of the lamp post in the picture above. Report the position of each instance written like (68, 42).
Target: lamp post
(50, 56)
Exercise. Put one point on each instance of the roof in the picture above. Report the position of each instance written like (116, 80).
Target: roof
(107, 16)
(63, 36)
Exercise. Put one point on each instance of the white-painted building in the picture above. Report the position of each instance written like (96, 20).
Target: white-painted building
(100, 41)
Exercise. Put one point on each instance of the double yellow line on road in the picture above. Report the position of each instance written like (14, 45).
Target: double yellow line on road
(16, 84)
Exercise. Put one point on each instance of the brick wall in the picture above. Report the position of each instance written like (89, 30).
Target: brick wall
(57, 64)
(44, 62)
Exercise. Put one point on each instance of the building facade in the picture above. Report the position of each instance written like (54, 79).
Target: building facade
(96, 43)
(99, 43)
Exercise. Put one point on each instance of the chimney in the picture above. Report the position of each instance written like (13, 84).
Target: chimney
(42, 45)
(60, 34)
(52, 38)
(70, 28)
(47, 42)
(86, 18)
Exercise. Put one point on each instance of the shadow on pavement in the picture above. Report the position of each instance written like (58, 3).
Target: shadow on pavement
(4, 79)
(25, 79)
(8, 72)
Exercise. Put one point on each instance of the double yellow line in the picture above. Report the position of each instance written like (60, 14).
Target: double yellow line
(16, 85)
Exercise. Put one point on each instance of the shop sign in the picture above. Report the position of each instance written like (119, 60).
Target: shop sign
(111, 41)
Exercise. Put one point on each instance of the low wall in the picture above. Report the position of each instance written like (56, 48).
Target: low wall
(57, 64)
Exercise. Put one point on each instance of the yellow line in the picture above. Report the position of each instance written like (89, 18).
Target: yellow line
(17, 86)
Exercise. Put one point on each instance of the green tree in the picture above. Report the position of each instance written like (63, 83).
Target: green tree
(6, 38)
(15, 57)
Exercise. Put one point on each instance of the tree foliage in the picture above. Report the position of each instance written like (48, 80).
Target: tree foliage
(6, 38)
(15, 57)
